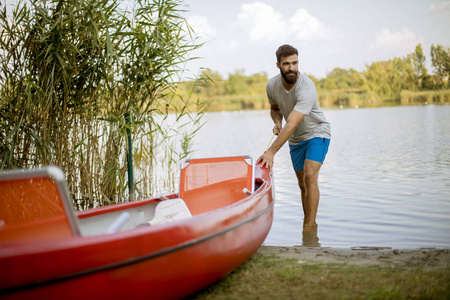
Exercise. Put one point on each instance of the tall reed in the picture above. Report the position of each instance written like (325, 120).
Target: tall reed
(71, 70)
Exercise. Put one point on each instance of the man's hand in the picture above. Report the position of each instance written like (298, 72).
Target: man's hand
(266, 160)
(283, 133)
(277, 129)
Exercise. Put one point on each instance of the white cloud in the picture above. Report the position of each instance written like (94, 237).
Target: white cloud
(400, 40)
(305, 26)
(262, 21)
(201, 26)
(443, 6)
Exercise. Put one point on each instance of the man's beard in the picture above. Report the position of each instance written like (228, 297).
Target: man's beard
(289, 77)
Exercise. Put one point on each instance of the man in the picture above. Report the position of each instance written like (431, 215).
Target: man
(292, 95)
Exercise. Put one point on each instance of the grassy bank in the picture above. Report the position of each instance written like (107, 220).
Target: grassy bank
(421, 276)
(238, 102)
(425, 97)
(347, 99)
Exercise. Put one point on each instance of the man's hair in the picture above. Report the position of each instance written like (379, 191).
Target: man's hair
(285, 51)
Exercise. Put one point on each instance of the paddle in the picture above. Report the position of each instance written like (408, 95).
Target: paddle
(270, 141)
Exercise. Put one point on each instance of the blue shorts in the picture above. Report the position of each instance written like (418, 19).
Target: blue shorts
(314, 149)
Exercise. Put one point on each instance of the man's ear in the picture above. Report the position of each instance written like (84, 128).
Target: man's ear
(278, 65)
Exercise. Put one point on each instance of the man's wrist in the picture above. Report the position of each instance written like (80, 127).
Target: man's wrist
(271, 151)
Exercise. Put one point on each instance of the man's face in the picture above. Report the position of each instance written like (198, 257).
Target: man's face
(288, 68)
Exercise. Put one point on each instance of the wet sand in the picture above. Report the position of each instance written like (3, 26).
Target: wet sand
(426, 258)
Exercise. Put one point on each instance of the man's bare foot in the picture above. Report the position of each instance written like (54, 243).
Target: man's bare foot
(310, 238)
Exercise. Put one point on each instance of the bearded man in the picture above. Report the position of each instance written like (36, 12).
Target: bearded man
(293, 96)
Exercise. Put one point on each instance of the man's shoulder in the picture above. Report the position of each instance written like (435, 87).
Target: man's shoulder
(305, 80)
(305, 84)
(274, 81)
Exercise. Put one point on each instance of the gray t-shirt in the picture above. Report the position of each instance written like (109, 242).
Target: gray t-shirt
(303, 98)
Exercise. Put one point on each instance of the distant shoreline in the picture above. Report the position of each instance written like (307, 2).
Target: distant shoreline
(332, 100)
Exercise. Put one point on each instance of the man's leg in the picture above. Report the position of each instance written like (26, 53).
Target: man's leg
(301, 184)
(307, 157)
(308, 182)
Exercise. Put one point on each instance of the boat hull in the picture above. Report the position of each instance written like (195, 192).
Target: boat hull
(168, 261)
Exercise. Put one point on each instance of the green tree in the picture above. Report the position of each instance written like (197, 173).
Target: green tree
(389, 78)
(419, 62)
(440, 59)
(257, 83)
(211, 84)
(236, 83)
(420, 71)
(342, 79)
(240, 84)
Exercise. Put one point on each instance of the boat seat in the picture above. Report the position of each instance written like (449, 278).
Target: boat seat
(211, 183)
(170, 210)
(36, 206)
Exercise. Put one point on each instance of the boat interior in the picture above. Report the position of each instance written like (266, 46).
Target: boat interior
(36, 204)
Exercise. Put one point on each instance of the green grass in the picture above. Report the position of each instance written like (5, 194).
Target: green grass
(430, 97)
(271, 277)
(238, 102)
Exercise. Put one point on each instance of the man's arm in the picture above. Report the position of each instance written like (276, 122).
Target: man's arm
(277, 118)
(292, 122)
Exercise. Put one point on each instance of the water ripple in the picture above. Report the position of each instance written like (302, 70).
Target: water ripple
(385, 181)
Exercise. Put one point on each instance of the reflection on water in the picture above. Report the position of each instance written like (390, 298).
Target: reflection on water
(385, 181)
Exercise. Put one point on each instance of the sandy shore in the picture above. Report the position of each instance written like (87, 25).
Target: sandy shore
(364, 256)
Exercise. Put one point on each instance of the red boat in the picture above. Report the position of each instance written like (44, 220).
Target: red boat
(161, 248)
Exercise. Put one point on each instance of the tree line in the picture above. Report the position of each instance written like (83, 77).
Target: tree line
(385, 79)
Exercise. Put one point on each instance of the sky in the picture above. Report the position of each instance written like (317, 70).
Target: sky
(244, 34)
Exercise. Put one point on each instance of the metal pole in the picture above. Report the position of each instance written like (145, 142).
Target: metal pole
(130, 158)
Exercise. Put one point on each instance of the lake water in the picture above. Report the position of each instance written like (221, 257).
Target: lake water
(385, 181)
